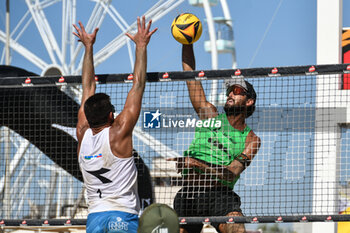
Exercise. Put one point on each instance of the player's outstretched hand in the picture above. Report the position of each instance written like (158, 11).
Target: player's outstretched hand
(84, 37)
(183, 162)
(143, 35)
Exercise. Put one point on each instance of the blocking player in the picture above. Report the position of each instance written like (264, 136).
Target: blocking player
(105, 143)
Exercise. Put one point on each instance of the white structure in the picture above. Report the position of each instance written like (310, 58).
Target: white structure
(220, 30)
(329, 31)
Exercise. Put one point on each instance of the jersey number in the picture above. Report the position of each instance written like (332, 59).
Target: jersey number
(99, 192)
(98, 175)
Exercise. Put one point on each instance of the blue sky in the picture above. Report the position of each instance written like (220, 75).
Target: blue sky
(289, 40)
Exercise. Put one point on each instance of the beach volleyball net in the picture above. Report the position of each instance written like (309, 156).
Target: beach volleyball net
(300, 173)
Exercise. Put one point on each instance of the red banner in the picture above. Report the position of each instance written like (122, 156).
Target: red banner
(346, 55)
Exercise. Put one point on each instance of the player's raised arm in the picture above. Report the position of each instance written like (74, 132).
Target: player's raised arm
(88, 74)
(130, 114)
(198, 99)
(187, 29)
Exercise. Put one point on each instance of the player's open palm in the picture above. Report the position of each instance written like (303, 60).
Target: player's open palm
(143, 35)
(84, 37)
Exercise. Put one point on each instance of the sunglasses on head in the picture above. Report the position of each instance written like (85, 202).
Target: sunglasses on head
(237, 90)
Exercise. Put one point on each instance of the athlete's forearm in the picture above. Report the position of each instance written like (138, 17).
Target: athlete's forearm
(188, 59)
(196, 93)
(195, 88)
(140, 68)
(88, 73)
(221, 172)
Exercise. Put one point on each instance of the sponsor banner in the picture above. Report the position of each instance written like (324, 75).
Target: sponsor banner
(175, 118)
(271, 119)
(346, 55)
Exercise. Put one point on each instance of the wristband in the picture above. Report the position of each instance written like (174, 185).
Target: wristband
(244, 160)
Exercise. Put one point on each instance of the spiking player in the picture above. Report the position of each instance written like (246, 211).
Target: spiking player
(105, 144)
(217, 155)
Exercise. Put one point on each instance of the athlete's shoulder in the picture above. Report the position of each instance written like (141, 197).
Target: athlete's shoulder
(253, 137)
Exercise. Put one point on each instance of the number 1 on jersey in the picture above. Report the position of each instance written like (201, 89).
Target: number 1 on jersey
(99, 192)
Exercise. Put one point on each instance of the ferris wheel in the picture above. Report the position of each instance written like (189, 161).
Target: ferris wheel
(64, 57)
(63, 53)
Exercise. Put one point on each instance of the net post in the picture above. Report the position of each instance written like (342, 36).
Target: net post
(329, 26)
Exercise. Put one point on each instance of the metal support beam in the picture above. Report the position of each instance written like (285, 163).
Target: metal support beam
(7, 33)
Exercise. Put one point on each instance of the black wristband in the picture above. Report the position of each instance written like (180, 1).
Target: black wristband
(244, 160)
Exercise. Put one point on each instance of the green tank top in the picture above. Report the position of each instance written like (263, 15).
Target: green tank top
(218, 145)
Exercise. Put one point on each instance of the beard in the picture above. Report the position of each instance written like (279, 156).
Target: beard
(233, 110)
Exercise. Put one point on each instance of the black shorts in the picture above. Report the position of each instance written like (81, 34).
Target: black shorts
(205, 202)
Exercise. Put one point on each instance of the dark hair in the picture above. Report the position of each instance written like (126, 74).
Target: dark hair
(97, 109)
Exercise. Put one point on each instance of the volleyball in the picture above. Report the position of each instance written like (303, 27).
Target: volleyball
(186, 28)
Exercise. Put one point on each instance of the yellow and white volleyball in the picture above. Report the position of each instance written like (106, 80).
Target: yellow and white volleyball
(186, 28)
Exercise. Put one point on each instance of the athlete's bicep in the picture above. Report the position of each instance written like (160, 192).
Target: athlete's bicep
(124, 123)
(243, 160)
(132, 107)
(252, 145)
(203, 108)
(82, 124)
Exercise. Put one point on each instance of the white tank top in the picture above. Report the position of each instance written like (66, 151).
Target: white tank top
(111, 182)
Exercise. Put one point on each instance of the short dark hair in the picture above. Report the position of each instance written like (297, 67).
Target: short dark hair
(97, 109)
